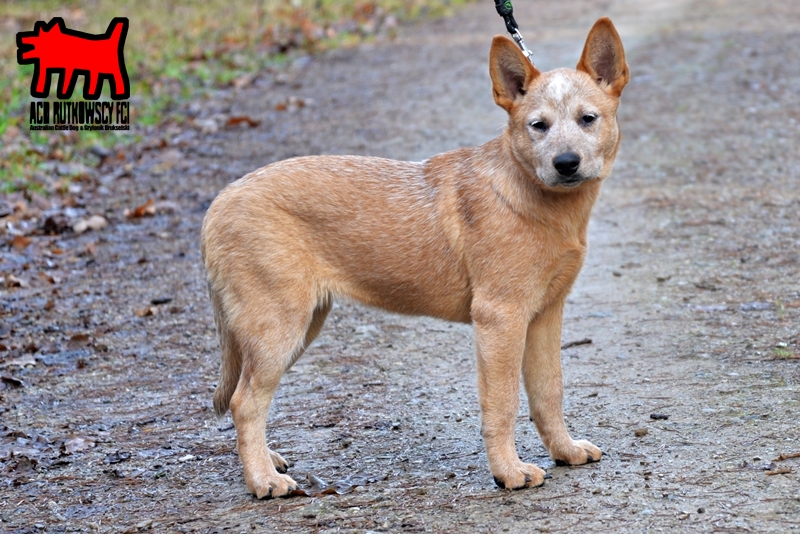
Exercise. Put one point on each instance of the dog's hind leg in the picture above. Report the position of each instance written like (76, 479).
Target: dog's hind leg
(317, 321)
(270, 330)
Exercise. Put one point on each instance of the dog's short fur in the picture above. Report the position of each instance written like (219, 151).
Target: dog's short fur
(493, 235)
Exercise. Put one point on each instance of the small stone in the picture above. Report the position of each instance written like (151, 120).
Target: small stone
(640, 432)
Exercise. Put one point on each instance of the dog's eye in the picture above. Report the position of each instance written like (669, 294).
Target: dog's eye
(588, 119)
(540, 126)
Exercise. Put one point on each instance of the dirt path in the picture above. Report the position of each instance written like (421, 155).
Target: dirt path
(690, 296)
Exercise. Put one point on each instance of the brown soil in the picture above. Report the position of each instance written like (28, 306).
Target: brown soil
(690, 296)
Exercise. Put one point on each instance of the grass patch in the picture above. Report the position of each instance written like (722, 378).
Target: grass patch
(175, 51)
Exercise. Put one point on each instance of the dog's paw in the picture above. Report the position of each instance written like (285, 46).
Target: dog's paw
(520, 475)
(578, 452)
(271, 486)
(280, 464)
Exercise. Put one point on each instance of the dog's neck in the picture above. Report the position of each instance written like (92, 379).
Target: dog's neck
(523, 192)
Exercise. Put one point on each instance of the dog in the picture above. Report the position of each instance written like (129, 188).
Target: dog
(493, 235)
(53, 47)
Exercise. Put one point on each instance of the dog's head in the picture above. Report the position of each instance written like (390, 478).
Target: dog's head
(563, 123)
(45, 39)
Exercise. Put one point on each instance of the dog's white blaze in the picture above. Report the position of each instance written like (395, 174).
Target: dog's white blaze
(558, 87)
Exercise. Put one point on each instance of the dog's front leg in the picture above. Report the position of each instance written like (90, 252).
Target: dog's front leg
(543, 383)
(500, 341)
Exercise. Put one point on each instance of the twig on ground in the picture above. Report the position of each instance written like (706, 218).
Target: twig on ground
(780, 471)
(584, 341)
(783, 456)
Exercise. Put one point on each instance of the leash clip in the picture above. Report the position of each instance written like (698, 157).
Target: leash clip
(506, 10)
(525, 50)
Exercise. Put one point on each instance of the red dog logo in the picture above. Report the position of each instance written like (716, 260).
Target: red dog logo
(53, 48)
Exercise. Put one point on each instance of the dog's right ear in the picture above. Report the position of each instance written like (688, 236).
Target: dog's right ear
(510, 70)
(603, 58)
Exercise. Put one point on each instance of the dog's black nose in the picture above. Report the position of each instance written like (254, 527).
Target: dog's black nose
(567, 163)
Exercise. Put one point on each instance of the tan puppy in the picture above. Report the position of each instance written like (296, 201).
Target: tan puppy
(493, 235)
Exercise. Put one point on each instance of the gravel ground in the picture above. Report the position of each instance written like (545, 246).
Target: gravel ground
(690, 296)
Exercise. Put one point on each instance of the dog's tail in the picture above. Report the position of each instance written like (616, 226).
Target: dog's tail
(117, 27)
(231, 358)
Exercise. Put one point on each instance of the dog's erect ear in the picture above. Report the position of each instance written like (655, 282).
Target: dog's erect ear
(604, 59)
(510, 70)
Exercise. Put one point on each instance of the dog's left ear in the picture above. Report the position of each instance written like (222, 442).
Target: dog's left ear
(604, 59)
(510, 70)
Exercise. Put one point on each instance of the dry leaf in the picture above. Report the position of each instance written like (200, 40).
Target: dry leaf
(146, 209)
(13, 281)
(95, 222)
(20, 242)
(71, 446)
(49, 277)
(147, 312)
(77, 341)
(239, 119)
(243, 81)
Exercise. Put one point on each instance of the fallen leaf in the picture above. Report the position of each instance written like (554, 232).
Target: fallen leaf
(95, 222)
(20, 242)
(293, 103)
(207, 126)
(77, 341)
(239, 119)
(147, 312)
(71, 446)
(243, 81)
(13, 281)
(320, 487)
(49, 277)
(146, 209)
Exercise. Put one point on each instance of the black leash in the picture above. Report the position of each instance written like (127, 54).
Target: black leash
(506, 10)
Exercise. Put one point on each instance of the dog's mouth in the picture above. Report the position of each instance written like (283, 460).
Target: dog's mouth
(572, 181)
